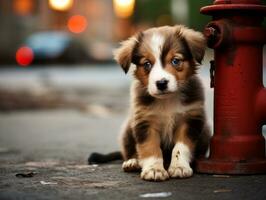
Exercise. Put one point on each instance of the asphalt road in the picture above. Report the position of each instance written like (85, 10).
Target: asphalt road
(54, 145)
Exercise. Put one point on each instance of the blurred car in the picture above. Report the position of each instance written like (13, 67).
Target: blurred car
(56, 47)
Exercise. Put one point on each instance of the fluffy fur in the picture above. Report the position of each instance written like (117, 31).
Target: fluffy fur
(166, 127)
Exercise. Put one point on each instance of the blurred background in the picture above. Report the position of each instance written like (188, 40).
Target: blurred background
(71, 31)
(59, 85)
(55, 52)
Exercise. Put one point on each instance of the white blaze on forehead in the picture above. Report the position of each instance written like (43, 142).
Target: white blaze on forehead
(158, 73)
(157, 41)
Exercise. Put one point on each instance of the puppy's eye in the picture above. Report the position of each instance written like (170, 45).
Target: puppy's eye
(175, 62)
(147, 66)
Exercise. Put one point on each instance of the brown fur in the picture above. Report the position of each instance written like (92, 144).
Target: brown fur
(182, 73)
(181, 136)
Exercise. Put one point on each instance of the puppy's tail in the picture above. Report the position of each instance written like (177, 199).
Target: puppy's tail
(96, 158)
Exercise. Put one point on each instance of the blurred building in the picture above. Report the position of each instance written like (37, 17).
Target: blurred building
(97, 25)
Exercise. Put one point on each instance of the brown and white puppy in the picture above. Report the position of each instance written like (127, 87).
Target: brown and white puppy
(167, 119)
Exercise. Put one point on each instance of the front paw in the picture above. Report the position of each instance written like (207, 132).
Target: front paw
(154, 174)
(180, 171)
(131, 165)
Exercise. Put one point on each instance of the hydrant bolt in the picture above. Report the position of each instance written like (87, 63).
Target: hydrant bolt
(211, 36)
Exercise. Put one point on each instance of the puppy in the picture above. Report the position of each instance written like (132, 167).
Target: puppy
(166, 128)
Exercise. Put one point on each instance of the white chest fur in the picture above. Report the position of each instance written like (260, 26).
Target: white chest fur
(167, 114)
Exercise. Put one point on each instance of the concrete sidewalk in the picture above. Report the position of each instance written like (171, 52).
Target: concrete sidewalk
(55, 144)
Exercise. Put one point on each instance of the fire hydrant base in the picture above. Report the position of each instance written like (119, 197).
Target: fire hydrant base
(210, 166)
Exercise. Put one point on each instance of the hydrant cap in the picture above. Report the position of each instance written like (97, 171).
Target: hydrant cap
(254, 6)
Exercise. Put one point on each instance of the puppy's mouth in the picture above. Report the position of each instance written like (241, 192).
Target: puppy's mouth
(163, 95)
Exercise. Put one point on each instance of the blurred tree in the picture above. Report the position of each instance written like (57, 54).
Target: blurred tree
(170, 12)
(148, 11)
(196, 19)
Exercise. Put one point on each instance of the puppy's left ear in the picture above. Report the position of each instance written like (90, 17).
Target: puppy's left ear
(123, 55)
(196, 43)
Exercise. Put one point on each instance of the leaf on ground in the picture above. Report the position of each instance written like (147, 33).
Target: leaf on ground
(156, 195)
(222, 190)
(26, 175)
(48, 183)
(221, 176)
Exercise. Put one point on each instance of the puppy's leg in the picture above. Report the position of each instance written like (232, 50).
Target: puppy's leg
(129, 153)
(149, 152)
(182, 154)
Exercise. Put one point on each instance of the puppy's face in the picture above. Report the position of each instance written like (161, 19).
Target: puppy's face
(165, 57)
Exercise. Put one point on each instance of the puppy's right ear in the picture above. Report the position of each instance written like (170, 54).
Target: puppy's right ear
(123, 55)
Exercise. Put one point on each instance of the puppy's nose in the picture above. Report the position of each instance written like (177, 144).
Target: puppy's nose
(162, 84)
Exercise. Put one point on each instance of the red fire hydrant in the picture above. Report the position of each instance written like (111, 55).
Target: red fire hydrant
(237, 37)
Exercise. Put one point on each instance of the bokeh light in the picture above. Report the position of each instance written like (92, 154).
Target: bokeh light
(124, 8)
(61, 5)
(24, 56)
(23, 7)
(77, 24)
